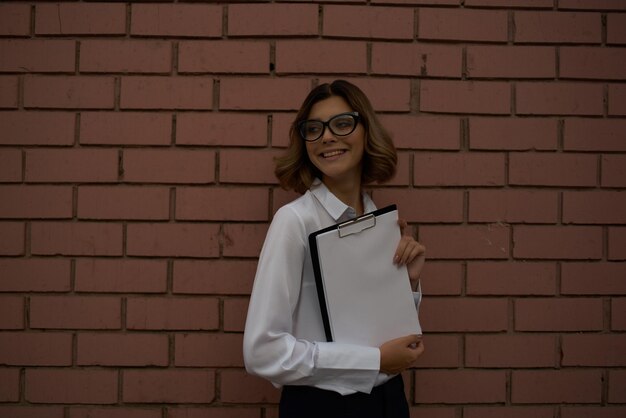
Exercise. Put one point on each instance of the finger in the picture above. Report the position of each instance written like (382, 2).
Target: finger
(402, 223)
(400, 250)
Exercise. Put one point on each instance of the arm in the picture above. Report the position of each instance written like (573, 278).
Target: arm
(270, 348)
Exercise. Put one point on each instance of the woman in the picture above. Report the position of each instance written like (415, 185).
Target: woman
(337, 146)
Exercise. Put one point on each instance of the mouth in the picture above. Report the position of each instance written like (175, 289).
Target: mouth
(330, 154)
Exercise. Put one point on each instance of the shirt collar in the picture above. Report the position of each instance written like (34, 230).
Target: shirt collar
(338, 210)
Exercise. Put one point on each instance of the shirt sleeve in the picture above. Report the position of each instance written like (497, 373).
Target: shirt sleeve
(270, 349)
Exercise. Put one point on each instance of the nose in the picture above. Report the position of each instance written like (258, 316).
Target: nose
(327, 135)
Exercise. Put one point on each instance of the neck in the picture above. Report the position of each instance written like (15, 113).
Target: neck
(349, 192)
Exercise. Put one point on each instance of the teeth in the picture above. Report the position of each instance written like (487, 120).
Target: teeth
(332, 153)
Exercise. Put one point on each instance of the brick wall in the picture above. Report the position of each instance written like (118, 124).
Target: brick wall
(136, 189)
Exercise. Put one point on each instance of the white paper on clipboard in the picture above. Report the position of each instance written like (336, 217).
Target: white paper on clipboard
(364, 297)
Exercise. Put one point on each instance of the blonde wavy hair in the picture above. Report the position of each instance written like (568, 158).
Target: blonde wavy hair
(296, 172)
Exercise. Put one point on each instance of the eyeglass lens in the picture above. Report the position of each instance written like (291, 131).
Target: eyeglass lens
(340, 125)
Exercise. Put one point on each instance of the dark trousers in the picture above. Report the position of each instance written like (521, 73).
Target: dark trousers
(385, 401)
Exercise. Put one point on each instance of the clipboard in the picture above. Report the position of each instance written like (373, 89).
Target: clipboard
(364, 297)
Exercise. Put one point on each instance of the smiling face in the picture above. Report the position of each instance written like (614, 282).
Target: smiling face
(337, 157)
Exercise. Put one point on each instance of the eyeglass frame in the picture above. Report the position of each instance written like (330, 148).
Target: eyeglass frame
(355, 116)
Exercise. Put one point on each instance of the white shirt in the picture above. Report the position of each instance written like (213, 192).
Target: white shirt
(284, 339)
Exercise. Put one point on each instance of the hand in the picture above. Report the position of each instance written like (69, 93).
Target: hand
(410, 253)
(399, 354)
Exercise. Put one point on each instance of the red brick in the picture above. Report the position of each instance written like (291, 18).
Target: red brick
(552, 169)
(508, 411)
(423, 132)
(9, 385)
(592, 5)
(235, 93)
(592, 411)
(617, 379)
(8, 91)
(80, 19)
(441, 351)
(169, 386)
(32, 411)
(176, 20)
(247, 166)
(108, 349)
(616, 28)
(617, 99)
(35, 201)
(368, 22)
(15, 19)
(460, 386)
(427, 411)
(123, 202)
(470, 314)
(169, 166)
(37, 128)
(115, 412)
(458, 169)
(239, 387)
(282, 197)
(321, 57)
(76, 238)
(385, 94)
(125, 56)
(75, 312)
(513, 133)
(173, 240)
(563, 98)
(214, 412)
(403, 174)
(442, 278)
(513, 206)
(546, 4)
(613, 171)
(560, 314)
(71, 386)
(423, 206)
(423, 2)
(228, 129)
(509, 278)
(461, 242)
(235, 311)
(125, 128)
(11, 312)
(69, 92)
(593, 278)
(487, 351)
(35, 275)
(224, 57)
(456, 96)
(599, 350)
(601, 207)
(281, 122)
(167, 92)
(592, 63)
(180, 313)
(37, 55)
(424, 60)
(10, 165)
(71, 165)
(617, 243)
(35, 349)
(208, 350)
(594, 134)
(272, 19)
(244, 240)
(557, 242)
(557, 27)
(511, 62)
(462, 25)
(222, 277)
(11, 238)
(121, 276)
(222, 203)
(556, 386)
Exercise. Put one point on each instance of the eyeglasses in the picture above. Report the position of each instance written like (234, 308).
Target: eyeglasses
(340, 125)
